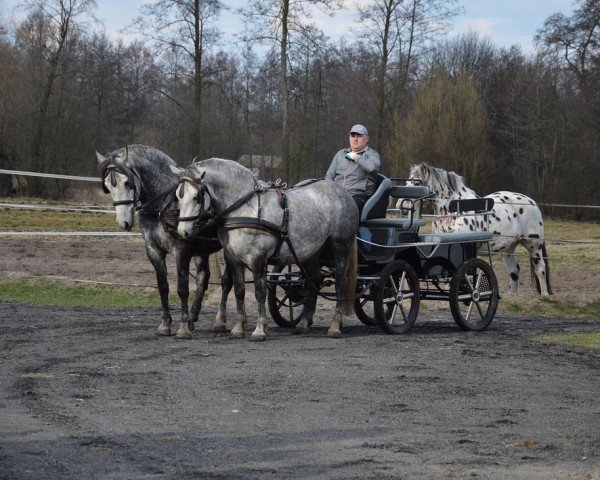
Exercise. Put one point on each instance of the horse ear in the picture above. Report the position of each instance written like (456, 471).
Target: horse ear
(202, 175)
(101, 159)
(176, 170)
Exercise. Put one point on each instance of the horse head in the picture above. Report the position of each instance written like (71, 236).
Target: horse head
(123, 185)
(208, 189)
(193, 198)
(416, 178)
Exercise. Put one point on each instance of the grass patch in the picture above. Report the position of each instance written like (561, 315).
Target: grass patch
(571, 245)
(54, 294)
(587, 340)
(551, 307)
(22, 219)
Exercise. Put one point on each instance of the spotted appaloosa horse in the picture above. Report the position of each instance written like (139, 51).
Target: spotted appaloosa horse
(515, 220)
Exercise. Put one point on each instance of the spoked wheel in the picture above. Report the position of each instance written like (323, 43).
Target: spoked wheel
(397, 297)
(365, 310)
(474, 295)
(285, 296)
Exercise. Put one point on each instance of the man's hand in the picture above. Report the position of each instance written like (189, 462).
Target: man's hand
(351, 156)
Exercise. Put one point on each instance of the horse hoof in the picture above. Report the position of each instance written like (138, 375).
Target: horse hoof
(258, 338)
(334, 333)
(163, 330)
(236, 335)
(184, 334)
(219, 329)
(191, 326)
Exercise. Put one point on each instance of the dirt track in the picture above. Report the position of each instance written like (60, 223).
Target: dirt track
(92, 393)
(95, 394)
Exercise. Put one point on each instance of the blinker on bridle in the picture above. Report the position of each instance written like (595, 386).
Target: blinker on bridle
(203, 214)
(111, 170)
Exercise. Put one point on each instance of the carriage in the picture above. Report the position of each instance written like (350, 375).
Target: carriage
(399, 266)
(313, 225)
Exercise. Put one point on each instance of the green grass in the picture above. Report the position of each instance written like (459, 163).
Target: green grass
(22, 219)
(552, 307)
(586, 340)
(55, 294)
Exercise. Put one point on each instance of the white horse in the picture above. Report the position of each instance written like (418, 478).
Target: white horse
(516, 219)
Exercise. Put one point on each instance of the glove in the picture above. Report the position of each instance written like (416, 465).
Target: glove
(351, 156)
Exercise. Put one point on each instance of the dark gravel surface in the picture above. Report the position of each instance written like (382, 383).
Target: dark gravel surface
(92, 393)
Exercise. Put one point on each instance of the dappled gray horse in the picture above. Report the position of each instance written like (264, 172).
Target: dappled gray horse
(515, 220)
(139, 178)
(260, 226)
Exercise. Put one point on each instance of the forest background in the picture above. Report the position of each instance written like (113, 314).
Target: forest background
(286, 96)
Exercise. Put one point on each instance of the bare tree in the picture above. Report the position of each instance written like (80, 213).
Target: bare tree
(576, 38)
(183, 28)
(280, 24)
(57, 22)
(398, 29)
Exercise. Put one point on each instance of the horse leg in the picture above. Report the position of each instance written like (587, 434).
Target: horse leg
(259, 272)
(310, 305)
(512, 266)
(538, 266)
(341, 269)
(311, 268)
(202, 278)
(346, 270)
(240, 292)
(182, 260)
(157, 259)
(220, 325)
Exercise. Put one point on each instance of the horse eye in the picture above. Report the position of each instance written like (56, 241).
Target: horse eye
(128, 184)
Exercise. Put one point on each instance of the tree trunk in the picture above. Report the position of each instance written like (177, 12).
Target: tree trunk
(283, 92)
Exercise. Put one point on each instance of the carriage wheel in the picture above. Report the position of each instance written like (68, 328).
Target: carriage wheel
(397, 297)
(364, 307)
(474, 295)
(285, 297)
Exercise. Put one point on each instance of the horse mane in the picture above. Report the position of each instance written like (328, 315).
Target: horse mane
(225, 168)
(441, 181)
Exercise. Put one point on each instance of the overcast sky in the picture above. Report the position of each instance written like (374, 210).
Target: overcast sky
(504, 22)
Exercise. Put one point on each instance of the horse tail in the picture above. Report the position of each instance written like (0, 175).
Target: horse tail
(534, 278)
(351, 279)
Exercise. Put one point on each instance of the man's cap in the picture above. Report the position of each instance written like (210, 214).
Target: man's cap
(360, 129)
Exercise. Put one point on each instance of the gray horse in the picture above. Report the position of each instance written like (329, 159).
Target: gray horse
(138, 177)
(258, 226)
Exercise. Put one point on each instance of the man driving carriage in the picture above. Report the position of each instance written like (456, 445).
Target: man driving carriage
(356, 167)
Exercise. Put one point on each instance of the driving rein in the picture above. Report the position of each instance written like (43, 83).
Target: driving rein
(209, 218)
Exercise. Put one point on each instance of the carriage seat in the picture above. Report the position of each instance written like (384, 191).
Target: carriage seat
(375, 209)
(473, 206)
(456, 237)
(376, 205)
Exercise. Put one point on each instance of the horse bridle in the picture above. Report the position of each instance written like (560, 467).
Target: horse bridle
(205, 217)
(112, 170)
(208, 217)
